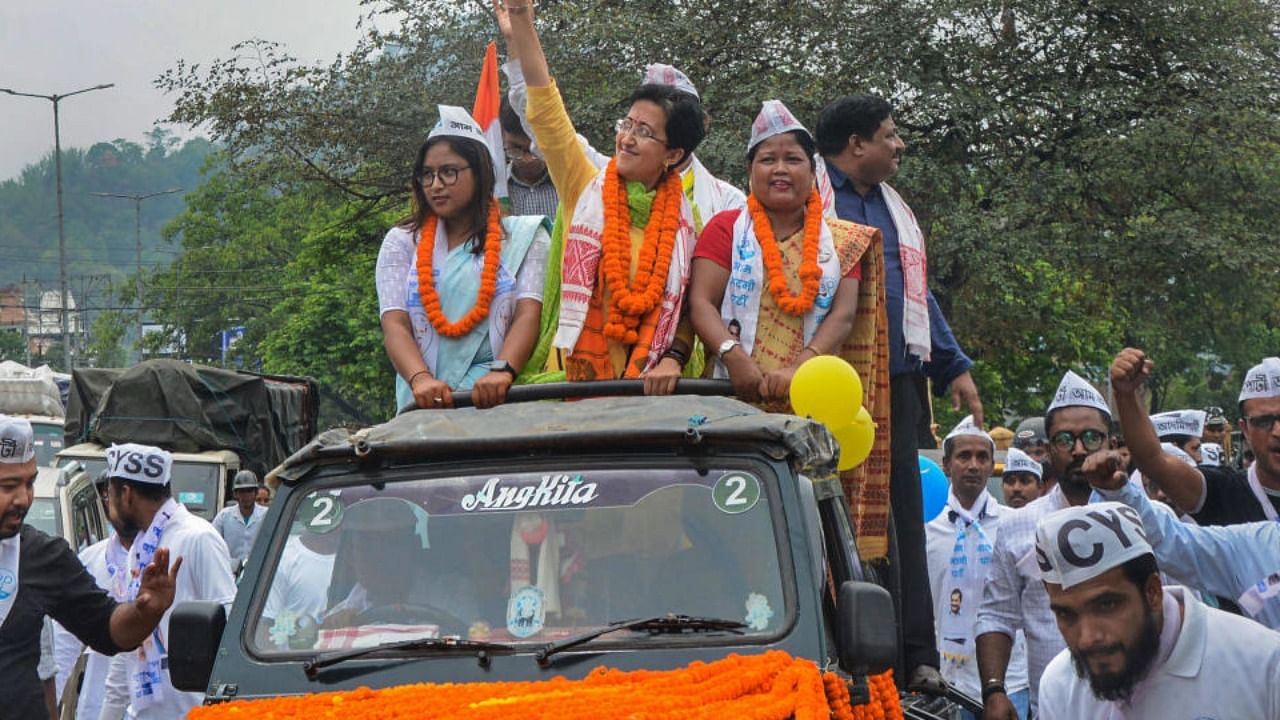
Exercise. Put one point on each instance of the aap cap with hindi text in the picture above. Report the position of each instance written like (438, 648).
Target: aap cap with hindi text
(17, 443)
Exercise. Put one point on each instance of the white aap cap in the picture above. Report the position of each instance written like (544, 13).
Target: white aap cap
(16, 441)
(1211, 454)
(1178, 453)
(1016, 461)
(1080, 543)
(774, 119)
(456, 122)
(1262, 381)
(1075, 391)
(969, 428)
(659, 74)
(1179, 422)
(140, 463)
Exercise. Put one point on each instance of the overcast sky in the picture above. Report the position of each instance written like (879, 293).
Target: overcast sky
(58, 46)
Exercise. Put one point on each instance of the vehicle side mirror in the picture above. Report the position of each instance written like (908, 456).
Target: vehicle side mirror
(868, 631)
(195, 631)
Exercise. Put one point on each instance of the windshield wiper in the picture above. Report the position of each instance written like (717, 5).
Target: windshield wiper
(313, 666)
(657, 625)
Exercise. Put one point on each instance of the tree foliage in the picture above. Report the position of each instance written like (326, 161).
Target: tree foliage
(1089, 174)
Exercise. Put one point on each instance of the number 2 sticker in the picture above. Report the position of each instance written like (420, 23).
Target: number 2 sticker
(736, 492)
(321, 513)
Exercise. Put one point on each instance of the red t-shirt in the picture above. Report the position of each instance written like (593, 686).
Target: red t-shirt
(716, 243)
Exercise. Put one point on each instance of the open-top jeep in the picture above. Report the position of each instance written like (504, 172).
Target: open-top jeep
(539, 539)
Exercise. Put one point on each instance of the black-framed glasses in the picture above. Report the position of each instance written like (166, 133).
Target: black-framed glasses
(637, 130)
(1262, 423)
(1091, 439)
(448, 175)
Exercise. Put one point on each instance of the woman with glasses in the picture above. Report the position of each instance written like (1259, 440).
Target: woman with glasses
(459, 287)
(626, 254)
(779, 283)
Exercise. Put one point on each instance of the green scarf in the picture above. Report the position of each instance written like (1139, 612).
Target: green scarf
(641, 203)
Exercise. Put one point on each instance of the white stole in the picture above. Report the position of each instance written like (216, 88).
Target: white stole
(10, 549)
(583, 252)
(966, 572)
(747, 282)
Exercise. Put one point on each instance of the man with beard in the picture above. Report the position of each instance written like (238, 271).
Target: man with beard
(40, 576)
(1022, 478)
(140, 506)
(1212, 495)
(860, 147)
(959, 550)
(1134, 648)
(1077, 424)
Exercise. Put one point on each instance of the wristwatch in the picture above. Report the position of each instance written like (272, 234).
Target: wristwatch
(726, 346)
(503, 366)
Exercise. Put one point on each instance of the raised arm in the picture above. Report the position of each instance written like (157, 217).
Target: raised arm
(515, 20)
(1206, 558)
(1184, 484)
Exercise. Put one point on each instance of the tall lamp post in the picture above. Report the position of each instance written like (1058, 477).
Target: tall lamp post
(68, 349)
(137, 199)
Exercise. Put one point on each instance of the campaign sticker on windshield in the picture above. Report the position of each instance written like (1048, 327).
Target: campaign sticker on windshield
(191, 498)
(736, 492)
(321, 513)
(526, 612)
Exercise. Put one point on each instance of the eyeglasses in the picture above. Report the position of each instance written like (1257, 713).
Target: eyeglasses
(517, 153)
(1262, 423)
(1091, 439)
(637, 130)
(448, 175)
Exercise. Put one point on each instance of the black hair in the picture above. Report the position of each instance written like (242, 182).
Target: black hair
(685, 125)
(1048, 420)
(807, 144)
(1179, 441)
(510, 120)
(149, 491)
(476, 154)
(1140, 569)
(851, 115)
(1006, 475)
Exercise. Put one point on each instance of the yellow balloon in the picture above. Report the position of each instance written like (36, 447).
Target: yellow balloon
(855, 440)
(828, 390)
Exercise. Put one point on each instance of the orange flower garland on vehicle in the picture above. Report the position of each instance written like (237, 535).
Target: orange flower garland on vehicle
(630, 301)
(810, 271)
(488, 277)
(771, 686)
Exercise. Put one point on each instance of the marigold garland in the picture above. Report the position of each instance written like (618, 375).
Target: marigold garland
(631, 300)
(488, 277)
(810, 271)
(772, 686)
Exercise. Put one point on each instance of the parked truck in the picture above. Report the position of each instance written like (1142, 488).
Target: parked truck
(214, 421)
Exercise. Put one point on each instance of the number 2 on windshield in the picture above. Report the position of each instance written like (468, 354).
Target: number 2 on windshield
(736, 492)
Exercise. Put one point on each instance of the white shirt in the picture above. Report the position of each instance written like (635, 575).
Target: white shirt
(940, 541)
(239, 533)
(205, 575)
(1222, 667)
(67, 647)
(1014, 598)
(301, 584)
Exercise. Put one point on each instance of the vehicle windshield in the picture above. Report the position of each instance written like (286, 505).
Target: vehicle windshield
(48, 441)
(524, 557)
(43, 516)
(195, 485)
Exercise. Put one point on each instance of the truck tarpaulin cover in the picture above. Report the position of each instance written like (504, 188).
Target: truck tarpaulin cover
(193, 408)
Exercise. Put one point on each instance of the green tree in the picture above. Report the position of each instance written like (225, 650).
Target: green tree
(106, 347)
(12, 346)
(1089, 175)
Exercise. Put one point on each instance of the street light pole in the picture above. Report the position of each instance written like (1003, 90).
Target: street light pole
(68, 349)
(137, 199)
